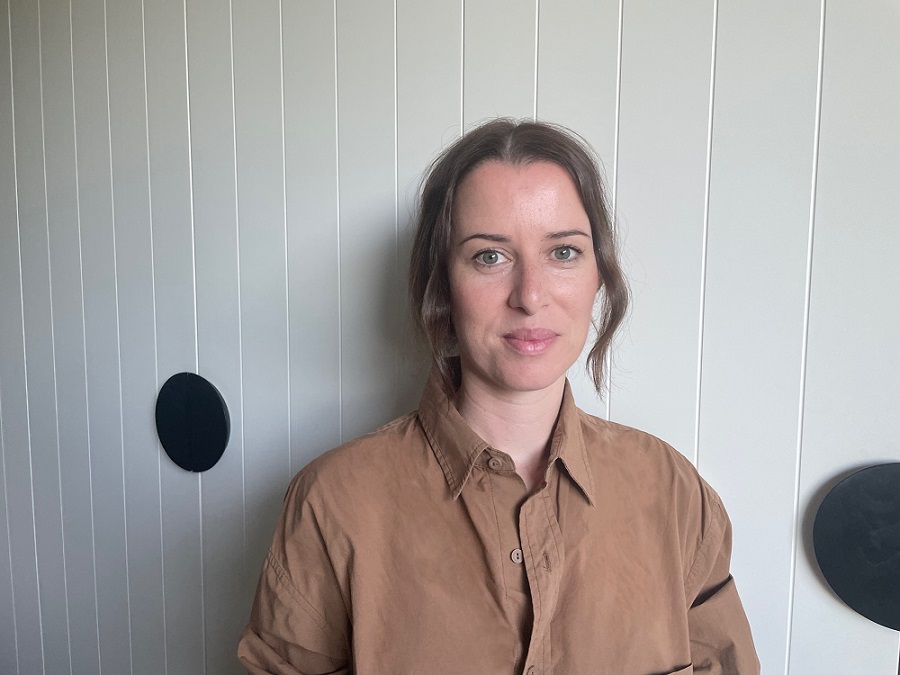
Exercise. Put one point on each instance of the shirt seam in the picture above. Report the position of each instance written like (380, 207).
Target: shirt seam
(702, 554)
(283, 578)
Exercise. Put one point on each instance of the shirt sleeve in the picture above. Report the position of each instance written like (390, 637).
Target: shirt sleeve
(299, 622)
(721, 642)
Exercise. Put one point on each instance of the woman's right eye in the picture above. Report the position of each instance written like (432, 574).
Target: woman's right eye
(489, 258)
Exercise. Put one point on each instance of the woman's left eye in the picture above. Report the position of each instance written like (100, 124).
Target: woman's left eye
(564, 253)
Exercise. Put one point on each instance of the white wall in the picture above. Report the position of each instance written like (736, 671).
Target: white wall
(226, 188)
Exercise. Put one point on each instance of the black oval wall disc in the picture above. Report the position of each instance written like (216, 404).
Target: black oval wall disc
(857, 542)
(192, 421)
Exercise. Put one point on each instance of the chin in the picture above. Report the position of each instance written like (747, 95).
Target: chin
(528, 378)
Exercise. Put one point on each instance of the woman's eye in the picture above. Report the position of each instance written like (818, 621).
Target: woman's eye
(564, 253)
(488, 258)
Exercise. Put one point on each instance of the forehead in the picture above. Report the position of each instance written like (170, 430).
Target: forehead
(498, 192)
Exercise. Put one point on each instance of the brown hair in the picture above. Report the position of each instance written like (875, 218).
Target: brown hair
(512, 142)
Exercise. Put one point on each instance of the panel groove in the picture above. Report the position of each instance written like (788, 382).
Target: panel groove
(12, 586)
(462, 67)
(118, 334)
(705, 235)
(190, 159)
(537, 52)
(337, 206)
(87, 409)
(240, 314)
(12, 97)
(162, 571)
(287, 267)
(804, 345)
(397, 266)
(608, 358)
(202, 576)
(53, 338)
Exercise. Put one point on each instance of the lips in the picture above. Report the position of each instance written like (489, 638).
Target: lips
(530, 341)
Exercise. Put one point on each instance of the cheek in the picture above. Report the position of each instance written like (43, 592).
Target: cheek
(468, 307)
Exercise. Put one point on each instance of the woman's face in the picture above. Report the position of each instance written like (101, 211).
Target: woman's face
(523, 276)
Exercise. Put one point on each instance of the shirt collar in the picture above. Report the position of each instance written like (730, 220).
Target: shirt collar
(457, 448)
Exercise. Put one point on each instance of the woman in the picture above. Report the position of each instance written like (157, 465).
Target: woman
(499, 529)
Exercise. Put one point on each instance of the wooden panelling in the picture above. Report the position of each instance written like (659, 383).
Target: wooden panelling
(853, 366)
(137, 333)
(661, 184)
(175, 291)
(429, 75)
(101, 319)
(369, 279)
(24, 621)
(40, 378)
(7, 609)
(314, 264)
(263, 280)
(499, 59)
(68, 332)
(225, 600)
(760, 183)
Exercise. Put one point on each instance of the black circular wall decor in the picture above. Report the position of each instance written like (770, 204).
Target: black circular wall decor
(192, 421)
(856, 536)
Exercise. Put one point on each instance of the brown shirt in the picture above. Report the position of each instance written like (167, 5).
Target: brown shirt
(415, 549)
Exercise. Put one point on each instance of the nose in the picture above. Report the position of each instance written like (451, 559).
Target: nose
(528, 292)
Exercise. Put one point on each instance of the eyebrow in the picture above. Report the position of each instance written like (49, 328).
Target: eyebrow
(503, 239)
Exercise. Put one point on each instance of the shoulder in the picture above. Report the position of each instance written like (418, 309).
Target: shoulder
(640, 468)
(364, 458)
(613, 444)
(354, 481)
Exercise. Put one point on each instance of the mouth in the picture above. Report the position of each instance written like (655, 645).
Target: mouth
(530, 341)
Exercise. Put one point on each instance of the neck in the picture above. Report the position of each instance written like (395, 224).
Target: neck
(520, 424)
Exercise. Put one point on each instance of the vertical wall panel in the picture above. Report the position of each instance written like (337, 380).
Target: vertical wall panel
(429, 73)
(173, 252)
(14, 428)
(310, 132)
(369, 291)
(853, 368)
(8, 296)
(101, 332)
(39, 371)
(577, 71)
(577, 87)
(17, 468)
(227, 591)
(499, 65)
(663, 122)
(7, 610)
(68, 331)
(762, 158)
(260, 171)
(128, 138)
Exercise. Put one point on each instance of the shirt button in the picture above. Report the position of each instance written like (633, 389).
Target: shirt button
(531, 671)
(495, 463)
(517, 557)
